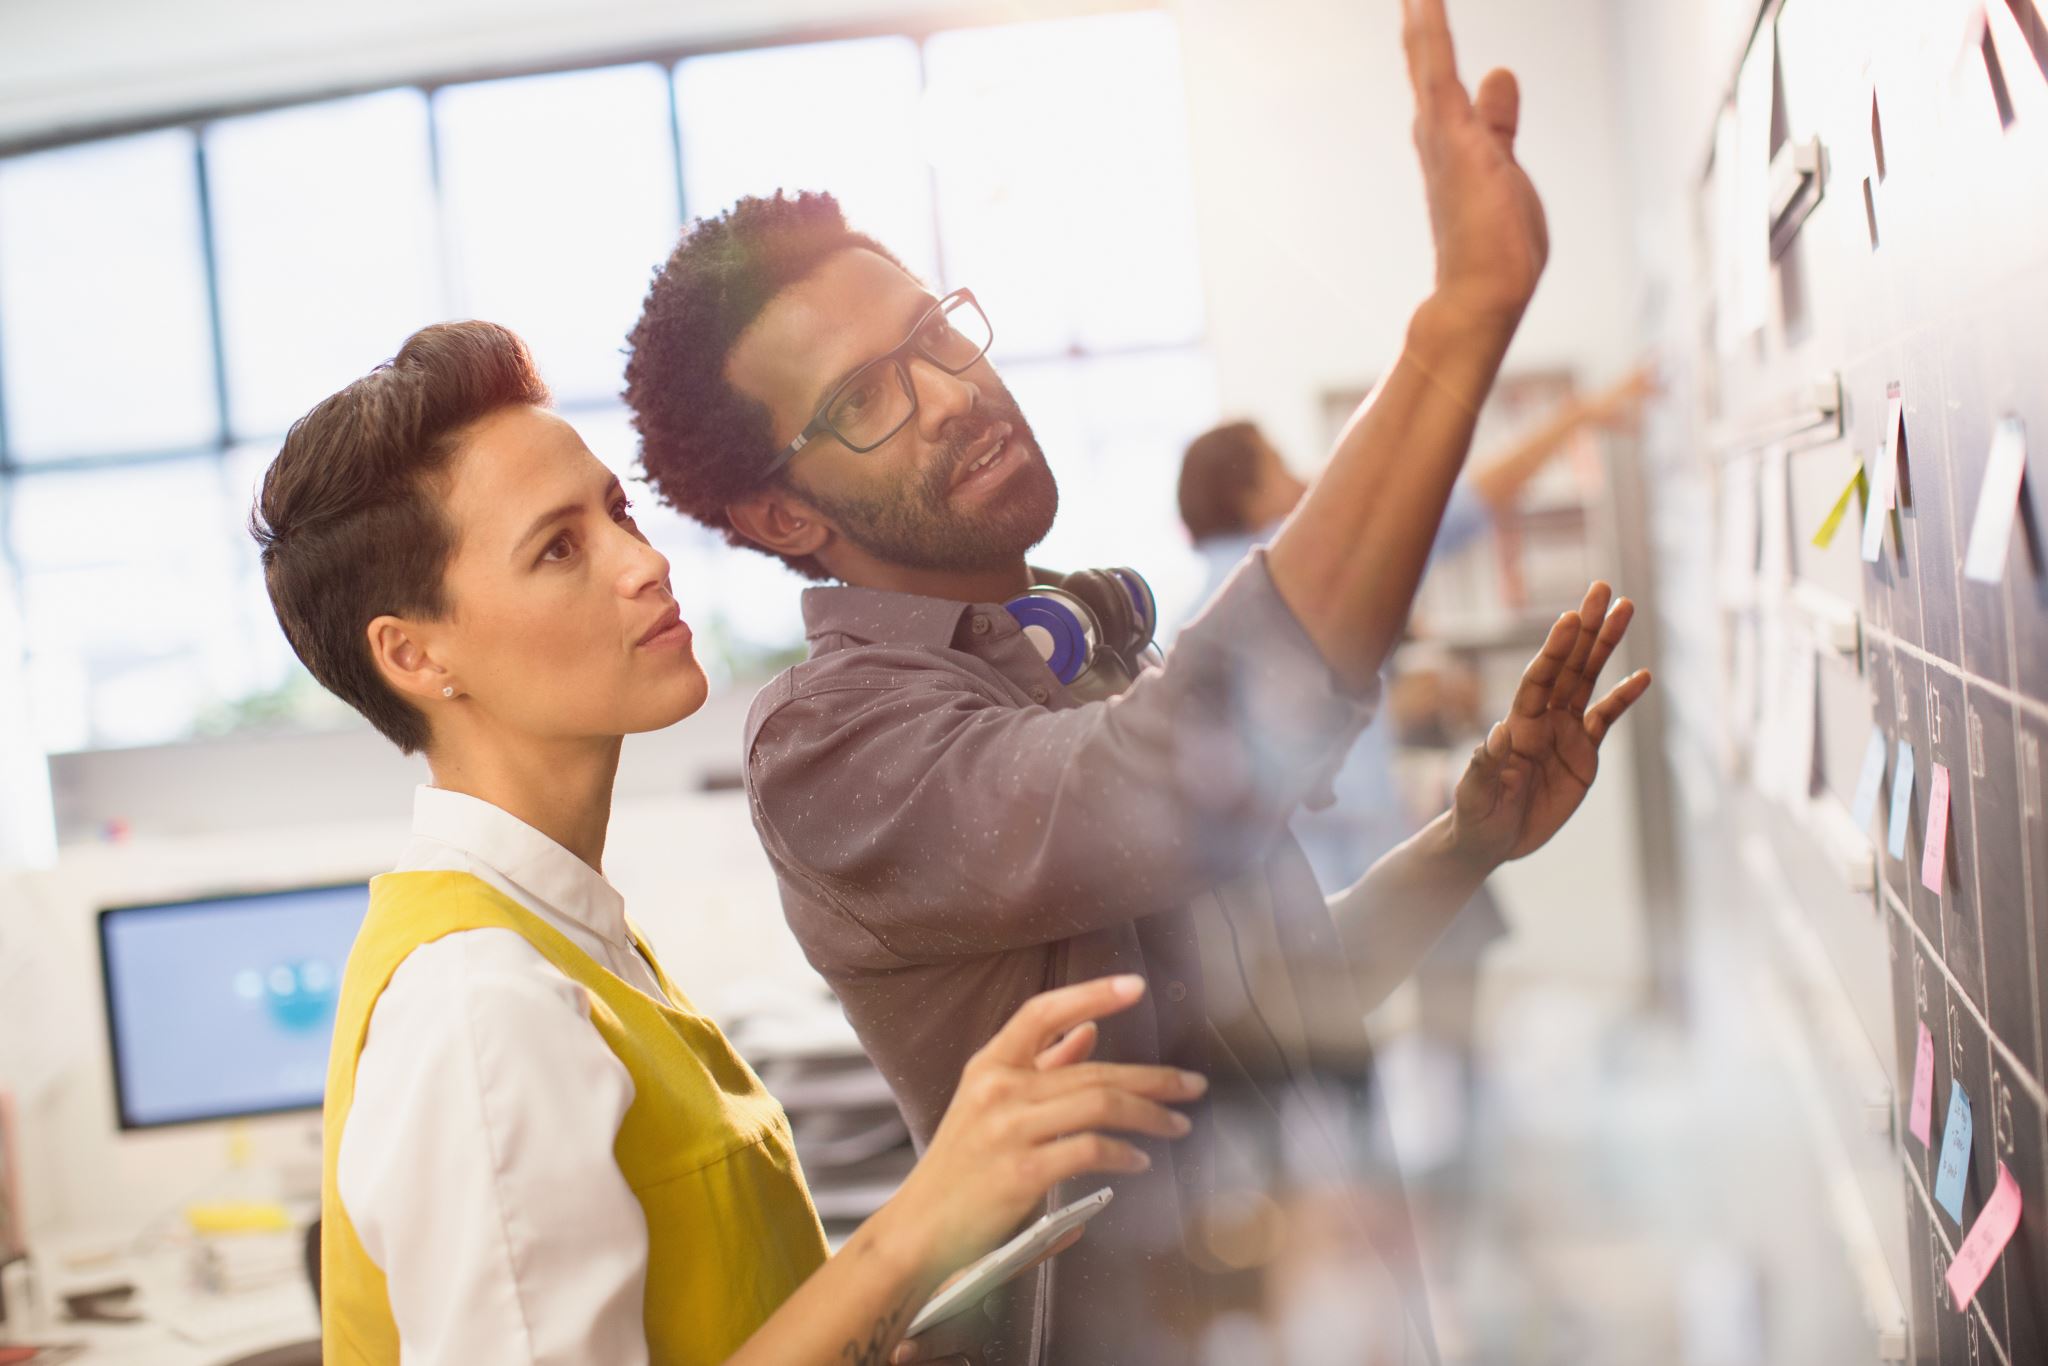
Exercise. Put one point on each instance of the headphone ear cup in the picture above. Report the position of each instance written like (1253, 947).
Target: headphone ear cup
(1144, 607)
(1111, 602)
(1061, 626)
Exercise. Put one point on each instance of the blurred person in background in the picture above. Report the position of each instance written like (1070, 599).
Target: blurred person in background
(955, 826)
(1235, 490)
(536, 1149)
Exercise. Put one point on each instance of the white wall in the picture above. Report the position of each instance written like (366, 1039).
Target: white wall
(1315, 238)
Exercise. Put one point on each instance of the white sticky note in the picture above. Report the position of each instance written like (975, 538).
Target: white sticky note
(1934, 847)
(1869, 781)
(1884, 479)
(1997, 503)
(1749, 240)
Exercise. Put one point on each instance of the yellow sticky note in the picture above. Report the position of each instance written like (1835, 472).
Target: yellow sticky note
(1858, 486)
(237, 1216)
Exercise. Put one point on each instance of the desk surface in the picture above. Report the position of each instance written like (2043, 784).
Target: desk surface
(180, 1325)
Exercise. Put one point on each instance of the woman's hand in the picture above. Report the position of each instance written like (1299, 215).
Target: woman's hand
(1030, 1112)
(1538, 764)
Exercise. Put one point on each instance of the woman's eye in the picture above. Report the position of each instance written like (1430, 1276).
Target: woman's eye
(558, 550)
(624, 511)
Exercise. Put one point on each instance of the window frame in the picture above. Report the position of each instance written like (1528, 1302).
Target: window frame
(667, 57)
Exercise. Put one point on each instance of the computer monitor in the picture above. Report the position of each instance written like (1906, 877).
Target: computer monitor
(223, 1006)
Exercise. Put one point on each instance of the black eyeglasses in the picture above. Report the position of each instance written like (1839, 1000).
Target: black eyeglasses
(876, 400)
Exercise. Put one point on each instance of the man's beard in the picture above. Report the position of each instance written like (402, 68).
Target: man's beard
(916, 527)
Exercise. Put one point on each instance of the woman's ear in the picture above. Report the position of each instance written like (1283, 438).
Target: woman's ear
(778, 521)
(402, 659)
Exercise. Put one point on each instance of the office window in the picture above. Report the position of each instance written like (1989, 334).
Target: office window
(1065, 199)
(129, 598)
(1113, 430)
(105, 344)
(323, 225)
(560, 199)
(820, 116)
(171, 301)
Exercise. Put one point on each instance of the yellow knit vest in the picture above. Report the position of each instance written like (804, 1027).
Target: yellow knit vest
(731, 1231)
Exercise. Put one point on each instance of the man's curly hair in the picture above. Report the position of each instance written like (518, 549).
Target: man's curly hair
(702, 443)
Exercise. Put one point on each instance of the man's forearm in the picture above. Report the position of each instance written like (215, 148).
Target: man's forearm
(1348, 560)
(1391, 917)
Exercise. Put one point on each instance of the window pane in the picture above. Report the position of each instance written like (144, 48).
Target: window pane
(1065, 199)
(103, 300)
(324, 223)
(560, 193)
(1113, 431)
(133, 618)
(820, 116)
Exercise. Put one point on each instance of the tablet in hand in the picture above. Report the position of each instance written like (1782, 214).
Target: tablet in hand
(991, 1271)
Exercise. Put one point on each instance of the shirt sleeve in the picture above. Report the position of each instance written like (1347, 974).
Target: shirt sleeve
(476, 1163)
(949, 822)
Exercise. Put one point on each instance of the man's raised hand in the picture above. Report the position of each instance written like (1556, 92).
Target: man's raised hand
(1538, 764)
(1491, 238)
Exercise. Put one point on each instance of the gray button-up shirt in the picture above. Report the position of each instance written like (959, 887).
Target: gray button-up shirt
(953, 832)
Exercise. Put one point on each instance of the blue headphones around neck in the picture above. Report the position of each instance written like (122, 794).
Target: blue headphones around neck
(1094, 627)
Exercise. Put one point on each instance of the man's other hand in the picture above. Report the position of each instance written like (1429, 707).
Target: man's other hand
(1537, 765)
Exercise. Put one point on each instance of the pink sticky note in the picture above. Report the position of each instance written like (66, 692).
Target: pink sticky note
(1987, 1238)
(1920, 1117)
(1934, 850)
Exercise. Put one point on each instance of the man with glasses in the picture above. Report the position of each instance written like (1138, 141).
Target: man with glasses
(953, 829)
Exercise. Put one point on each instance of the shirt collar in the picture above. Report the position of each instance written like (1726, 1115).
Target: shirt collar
(878, 616)
(496, 837)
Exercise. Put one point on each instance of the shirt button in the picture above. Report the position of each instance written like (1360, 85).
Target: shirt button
(1176, 992)
(1039, 694)
(978, 624)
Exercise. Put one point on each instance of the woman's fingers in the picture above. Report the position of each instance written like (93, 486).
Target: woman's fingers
(1154, 1083)
(1103, 1108)
(1074, 1047)
(1065, 1158)
(1602, 718)
(1050, 1014)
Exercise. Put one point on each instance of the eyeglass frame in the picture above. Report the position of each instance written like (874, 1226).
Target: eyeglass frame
(899, 355)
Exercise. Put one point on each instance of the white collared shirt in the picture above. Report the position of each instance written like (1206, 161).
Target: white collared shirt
(476, 1159)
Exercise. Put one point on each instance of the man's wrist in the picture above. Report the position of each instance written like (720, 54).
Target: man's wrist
(1447, 841)
(1459, 343)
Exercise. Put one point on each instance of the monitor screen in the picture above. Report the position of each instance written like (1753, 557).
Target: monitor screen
(223, 1007)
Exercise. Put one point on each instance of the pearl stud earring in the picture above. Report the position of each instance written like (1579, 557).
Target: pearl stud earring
(448, 691)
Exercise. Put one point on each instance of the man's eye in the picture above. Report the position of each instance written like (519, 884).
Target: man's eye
(858, 399)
